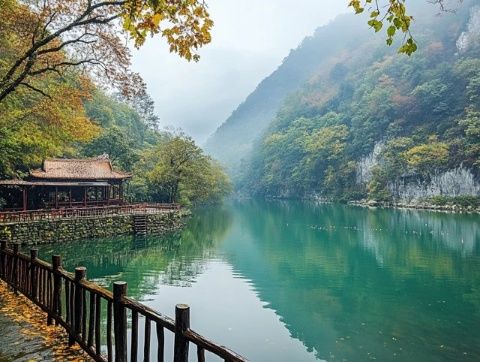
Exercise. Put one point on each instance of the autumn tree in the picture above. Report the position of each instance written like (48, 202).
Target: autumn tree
(52, 36)
(32, 126)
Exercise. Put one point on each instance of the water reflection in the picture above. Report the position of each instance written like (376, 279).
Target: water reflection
(356, 284)
(346, 283)
(144, 263)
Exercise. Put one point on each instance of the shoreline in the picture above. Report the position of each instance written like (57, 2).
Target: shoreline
(425, 206)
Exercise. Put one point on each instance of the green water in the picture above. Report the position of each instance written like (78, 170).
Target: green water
(287, 281)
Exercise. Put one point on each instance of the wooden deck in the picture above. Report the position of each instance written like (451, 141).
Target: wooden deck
(85, 212)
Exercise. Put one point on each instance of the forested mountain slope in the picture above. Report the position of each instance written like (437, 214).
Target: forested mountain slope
(372, 123)
(233, 140)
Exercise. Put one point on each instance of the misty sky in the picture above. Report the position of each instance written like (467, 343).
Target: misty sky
(250, 39)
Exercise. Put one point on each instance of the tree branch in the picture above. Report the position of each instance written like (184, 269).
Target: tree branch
(52, 16)
(64, 64)
(11, 87)
(34, 48)
(35, 89)
(68, 42)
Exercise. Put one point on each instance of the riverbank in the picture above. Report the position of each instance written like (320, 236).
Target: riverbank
(417, 205)
(25, 336)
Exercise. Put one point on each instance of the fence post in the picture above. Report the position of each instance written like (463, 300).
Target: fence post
(3, 260)
(15, 267)
(33, 274)
(120, 321)
(57, 286)
(182, 323)
(80, 273)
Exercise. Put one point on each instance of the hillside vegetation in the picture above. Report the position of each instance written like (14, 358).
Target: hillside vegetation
(369, 122)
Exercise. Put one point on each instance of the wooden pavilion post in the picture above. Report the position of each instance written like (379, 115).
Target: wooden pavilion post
(107, 194)
(121, 192)
(24, 198)
(85, 188)
(70, 196)
(56, 197)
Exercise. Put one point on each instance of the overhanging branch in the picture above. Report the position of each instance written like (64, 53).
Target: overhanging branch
(35, 89)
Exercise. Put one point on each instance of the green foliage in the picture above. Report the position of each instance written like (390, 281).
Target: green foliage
(166, 167)
(177, 170)
(377, 187)
(60, 113)
(471, 127)
(463, 201)
(428, 157)
(116, 144)
(108, 112)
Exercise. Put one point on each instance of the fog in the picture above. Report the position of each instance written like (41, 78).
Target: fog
(250, 39)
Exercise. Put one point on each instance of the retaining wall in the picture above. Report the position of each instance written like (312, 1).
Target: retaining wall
(52, 231)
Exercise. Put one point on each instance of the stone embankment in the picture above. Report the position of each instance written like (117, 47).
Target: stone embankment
(60, 230)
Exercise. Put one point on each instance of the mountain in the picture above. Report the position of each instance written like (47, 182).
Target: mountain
(345, 117)
(233, 140)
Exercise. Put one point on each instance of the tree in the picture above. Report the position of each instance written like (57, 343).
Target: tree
(33, 128)
(144, 105)
(429, 157)
(176, 170)
(471, 127)
(56, 35)
(116, 144)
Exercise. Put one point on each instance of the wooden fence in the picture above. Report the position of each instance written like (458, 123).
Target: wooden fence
(80, 306)
(82, 212)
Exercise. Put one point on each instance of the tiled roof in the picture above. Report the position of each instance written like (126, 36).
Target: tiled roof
(99, 168)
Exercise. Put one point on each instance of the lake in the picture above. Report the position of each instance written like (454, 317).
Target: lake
(295, 281)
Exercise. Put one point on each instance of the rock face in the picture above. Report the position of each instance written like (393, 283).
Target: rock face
(468, 38)
(456, 182)
(52, 231)
(366, 164)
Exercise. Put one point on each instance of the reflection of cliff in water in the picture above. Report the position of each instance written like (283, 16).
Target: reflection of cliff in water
(460, 233)
(144, 263)
(356, 284)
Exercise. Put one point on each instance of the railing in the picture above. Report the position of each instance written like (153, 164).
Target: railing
(81, 212)
(80, 306)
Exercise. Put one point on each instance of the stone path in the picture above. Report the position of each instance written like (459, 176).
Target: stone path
(24, 335)
(15, 346)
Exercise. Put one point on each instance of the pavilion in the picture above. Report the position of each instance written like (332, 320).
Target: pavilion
(66, 183)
